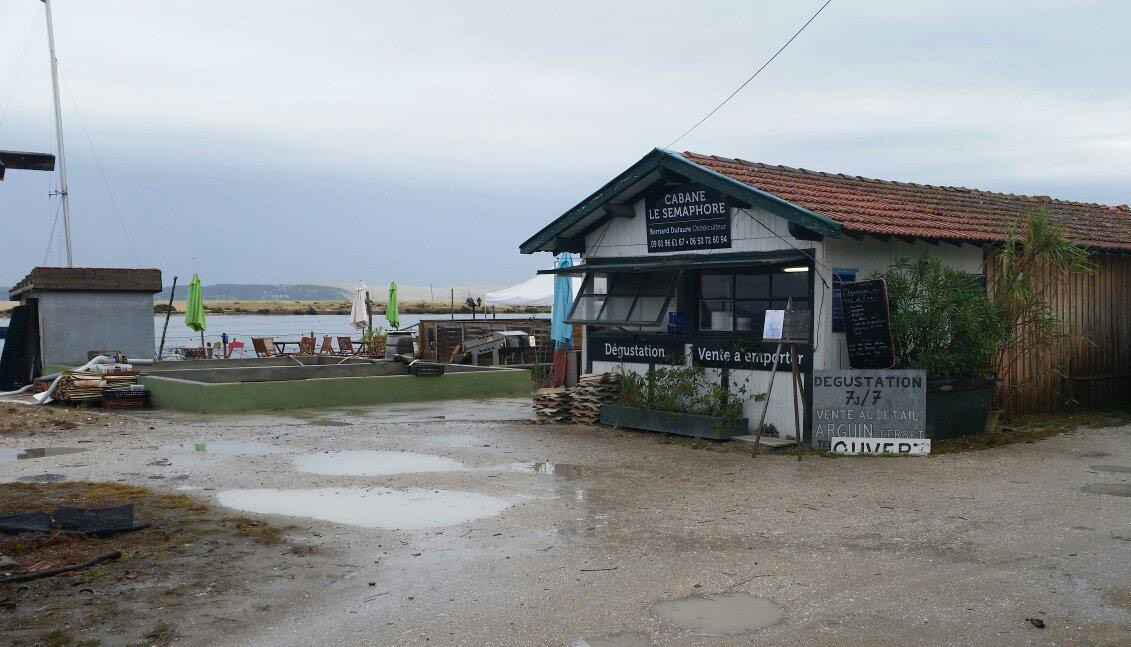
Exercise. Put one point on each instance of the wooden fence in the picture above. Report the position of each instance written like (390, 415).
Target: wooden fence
(1094, 366)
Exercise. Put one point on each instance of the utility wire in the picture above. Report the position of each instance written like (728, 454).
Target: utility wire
(98, 162)
(19, 69)
(756, 73)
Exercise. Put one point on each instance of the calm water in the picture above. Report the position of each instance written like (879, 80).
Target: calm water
(244, 327)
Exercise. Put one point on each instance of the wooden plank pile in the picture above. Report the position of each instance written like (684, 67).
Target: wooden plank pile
(552, 405)
(593, 390)
(90, 387)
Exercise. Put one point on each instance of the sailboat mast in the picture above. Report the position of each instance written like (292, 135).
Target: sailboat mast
(59, 136)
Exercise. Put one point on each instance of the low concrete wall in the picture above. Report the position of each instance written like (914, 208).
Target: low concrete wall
(188, 395)
(239, 374)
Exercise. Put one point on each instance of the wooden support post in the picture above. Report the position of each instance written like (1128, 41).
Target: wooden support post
(168, 311)
(769, 389)
(766, 405)
(797, 394)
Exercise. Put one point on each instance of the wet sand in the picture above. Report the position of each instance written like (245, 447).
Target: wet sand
(497, 531)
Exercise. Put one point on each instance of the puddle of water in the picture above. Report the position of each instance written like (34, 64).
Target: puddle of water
(1114, 469)
(410, 509)
(1114, 489)
(726, 614)
(328, 422)
(37, 452)
(42, 478)
(546, 467)
(374, 463)
(618, 640)
(227, 448)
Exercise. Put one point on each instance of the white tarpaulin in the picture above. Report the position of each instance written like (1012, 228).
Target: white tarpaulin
(538, 291)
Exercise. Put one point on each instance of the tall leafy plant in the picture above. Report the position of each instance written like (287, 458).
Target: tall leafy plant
(1028, 271)
(942, 319)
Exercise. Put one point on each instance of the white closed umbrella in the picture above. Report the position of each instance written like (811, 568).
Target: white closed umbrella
(359, 316)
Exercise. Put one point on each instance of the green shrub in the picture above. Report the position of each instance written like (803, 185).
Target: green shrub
(684, 389)
(942, 319)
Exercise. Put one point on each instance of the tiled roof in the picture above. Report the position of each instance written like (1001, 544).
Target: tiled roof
(883, 207)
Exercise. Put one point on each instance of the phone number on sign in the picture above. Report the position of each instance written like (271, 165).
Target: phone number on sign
(692, 240)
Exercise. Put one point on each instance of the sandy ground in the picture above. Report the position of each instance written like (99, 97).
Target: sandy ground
(957, 549)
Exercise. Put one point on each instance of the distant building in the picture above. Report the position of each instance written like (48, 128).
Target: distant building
(67, 312)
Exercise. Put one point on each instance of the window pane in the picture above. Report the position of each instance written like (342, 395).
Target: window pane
(617, 308)
(798, 304)
(790, 284)
(750, 315)
(648, 309)
(658, 284)
(716, 315)
(625, 285)
(595, 284)
(716, 286)
(752, 286)
(587, 307)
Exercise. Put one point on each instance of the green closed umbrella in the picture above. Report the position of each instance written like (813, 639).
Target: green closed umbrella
(391, 310)
(194, 308)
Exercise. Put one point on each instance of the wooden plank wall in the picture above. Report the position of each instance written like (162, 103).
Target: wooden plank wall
(1096, 309)
(450, 333)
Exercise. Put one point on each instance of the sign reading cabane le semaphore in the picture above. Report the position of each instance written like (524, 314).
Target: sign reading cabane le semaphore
(687, 217)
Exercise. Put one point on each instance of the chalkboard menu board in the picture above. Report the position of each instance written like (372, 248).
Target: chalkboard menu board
(865, 309)
(687, 217)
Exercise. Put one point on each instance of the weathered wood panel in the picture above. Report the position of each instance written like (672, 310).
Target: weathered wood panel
(439, 337)
(1094, 366)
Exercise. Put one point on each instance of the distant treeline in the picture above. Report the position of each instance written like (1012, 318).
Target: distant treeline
(256, 292)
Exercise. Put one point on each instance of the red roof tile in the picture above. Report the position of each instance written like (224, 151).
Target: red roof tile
(884, 207)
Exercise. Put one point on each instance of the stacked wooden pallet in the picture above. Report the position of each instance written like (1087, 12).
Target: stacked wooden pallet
(87, 386)
(552, 405)
(591, 392)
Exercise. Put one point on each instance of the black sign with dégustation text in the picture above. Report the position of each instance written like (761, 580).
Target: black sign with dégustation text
(866, 324)
(636, 351)
(687, 217)
(752, 356)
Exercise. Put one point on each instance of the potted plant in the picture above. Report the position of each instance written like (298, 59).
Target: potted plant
(679, 400)
(964, 333)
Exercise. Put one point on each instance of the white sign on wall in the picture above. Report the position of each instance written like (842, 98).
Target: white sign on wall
(775, 319)
(876, 446)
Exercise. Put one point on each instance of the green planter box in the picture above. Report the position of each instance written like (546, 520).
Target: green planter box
(684, 424)
(957, 407)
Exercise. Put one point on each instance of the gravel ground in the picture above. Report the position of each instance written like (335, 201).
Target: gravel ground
(577, 533)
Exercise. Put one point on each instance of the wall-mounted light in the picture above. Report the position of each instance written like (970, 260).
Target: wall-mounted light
(799, 268)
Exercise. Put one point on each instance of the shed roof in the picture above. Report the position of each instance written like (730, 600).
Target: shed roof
(885, 207)
(88, 279)
(834, 203)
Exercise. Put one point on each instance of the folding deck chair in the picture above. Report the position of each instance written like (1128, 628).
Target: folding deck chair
(264, 346)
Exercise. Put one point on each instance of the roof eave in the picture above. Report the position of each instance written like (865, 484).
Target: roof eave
(545, 239)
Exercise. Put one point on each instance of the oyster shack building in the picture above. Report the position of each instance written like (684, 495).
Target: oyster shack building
(684, 253)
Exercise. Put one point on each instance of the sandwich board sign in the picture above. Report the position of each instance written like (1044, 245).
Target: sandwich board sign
(886, 407)
(866, 324)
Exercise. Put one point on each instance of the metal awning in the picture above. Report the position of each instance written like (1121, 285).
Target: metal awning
(684, 262)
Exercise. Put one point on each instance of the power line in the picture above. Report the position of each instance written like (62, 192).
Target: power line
(756, 73)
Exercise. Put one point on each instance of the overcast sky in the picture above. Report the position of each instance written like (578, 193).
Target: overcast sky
(273, 142)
